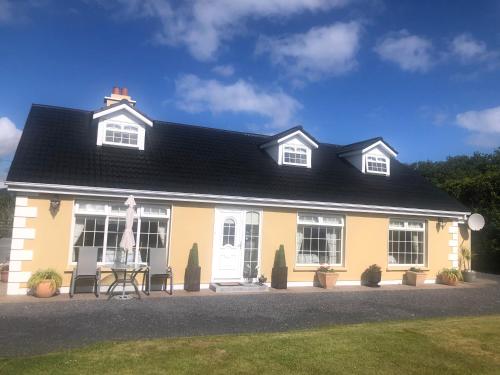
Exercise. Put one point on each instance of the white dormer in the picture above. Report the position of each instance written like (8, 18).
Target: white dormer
(292, 147)
(121, 125)
(370, 157)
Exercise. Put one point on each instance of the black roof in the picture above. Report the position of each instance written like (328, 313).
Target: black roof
(58, 146)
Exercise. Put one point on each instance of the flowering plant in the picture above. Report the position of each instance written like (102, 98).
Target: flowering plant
(325, 268)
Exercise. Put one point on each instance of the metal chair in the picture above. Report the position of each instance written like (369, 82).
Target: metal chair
(157, 268)
(87, 269)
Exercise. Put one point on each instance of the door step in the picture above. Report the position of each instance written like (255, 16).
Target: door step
(236, 287)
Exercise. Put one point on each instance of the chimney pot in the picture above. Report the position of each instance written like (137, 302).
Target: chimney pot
(116, 90)
(124, 91)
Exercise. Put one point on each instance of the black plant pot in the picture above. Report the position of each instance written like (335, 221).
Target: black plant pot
(279, 277)
(373, 278)
(192, 279)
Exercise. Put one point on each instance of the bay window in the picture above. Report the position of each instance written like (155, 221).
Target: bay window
(101, 224)
(320, 239)
(406, 242)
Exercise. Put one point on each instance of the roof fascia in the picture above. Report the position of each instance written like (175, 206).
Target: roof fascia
(126, 107)
(37, 188)
(291, 135)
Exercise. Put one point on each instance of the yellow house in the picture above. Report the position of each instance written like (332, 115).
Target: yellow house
(239, 196)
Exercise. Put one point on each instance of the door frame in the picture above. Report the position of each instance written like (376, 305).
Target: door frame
(216, 238)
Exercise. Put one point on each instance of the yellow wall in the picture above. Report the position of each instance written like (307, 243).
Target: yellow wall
(191, 223)
(365, 241)
(52, 237)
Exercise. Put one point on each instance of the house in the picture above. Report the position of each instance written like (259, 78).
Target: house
(238, 195)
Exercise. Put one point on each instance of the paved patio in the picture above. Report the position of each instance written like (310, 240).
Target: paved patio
(30, 326)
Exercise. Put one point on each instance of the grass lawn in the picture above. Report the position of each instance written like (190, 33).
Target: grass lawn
(438, 346)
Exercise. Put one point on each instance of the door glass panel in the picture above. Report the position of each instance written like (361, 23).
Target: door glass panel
(228, 233)
(251, 245)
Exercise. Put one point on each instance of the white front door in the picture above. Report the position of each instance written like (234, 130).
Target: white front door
(228, 244)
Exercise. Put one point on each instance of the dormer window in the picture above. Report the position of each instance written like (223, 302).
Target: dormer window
(376, 164)
(120, 124)
(294, 155)
(122, 134)
(291, 147)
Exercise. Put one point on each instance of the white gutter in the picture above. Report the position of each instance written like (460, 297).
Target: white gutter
(90, 191)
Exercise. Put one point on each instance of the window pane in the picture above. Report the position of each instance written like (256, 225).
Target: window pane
(228, 232)
(406, 245)
(251, 245)
(317, 244)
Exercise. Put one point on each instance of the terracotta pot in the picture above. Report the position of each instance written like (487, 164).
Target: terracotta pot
(5, 276)
(45, 289)
(327, 279)
(415, 278)
(449, 281)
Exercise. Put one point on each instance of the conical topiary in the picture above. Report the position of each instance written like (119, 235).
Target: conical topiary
(279, 275)
(193, 271)
(193, 257)
(279, 257)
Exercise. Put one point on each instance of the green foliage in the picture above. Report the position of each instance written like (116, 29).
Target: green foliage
(374, 268)
(327, 269)
(416, 269)
(279, 257)
(451, 273)
(7, 204)
(466, 256)
(193, 261)
(474, 181)
(42, 275)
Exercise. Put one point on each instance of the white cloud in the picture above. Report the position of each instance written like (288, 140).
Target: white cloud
(9, 136)
(198, 95)
(328, 50)
(484, 125)
(411, 52)
(202, 25)
(223, 70)
(5, 12)
(468, 48)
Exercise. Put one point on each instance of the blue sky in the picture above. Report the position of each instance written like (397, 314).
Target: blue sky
(425, 75)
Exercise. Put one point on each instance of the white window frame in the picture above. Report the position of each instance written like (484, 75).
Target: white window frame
(378, 159)
(407, 228)
(321, 222)
(108, 213)
(297, 150)
(122, 125)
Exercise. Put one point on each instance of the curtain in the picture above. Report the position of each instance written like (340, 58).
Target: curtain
(331, 244)
(415, 247)
(76, 235)
(300, 257)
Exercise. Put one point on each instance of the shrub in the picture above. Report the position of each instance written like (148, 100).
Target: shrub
(452, 274)
(374, 268)
(416, 269)
(43, 275)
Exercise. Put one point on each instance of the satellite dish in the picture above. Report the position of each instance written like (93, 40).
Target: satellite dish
(476, 222)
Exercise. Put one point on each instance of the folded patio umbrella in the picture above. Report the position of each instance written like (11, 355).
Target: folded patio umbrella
(128, 240)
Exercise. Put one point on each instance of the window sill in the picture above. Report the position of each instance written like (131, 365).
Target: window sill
(310, 268)
(405, 268)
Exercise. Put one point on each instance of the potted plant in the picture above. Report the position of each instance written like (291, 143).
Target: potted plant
(45, 283)
(467, 274)
(279, 274)
(4, 270)
(327, 276)
(449, 276)
(415, 276)
(372, 276)
(193, 271)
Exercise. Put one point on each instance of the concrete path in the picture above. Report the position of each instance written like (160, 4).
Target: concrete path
(30, 326)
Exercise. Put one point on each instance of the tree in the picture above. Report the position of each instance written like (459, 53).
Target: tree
(474, 181)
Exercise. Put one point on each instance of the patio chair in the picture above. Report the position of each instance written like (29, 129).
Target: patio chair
(157, 268)
(86, 269)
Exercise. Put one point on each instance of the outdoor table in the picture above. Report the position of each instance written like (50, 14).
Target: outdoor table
(120, 271)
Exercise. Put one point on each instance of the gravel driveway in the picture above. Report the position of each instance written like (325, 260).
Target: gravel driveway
(37, 327)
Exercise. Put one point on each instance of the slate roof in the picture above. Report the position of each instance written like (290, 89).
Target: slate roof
(290, 131)
(58, 146)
